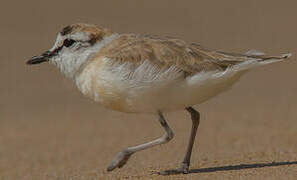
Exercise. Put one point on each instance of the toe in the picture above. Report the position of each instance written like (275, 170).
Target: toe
(183, 169)
(119, 160)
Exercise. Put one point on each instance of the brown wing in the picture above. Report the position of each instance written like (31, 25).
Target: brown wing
(189, 57)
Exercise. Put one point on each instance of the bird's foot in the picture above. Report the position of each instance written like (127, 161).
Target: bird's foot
(119, 160)
(183, 169)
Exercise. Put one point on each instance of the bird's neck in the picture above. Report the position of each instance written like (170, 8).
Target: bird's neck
(76, 63)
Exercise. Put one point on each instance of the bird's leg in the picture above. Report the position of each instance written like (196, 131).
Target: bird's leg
(122, 157)
(184, 166)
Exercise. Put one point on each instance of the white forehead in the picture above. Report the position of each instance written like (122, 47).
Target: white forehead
(78, 36)
(58, 42)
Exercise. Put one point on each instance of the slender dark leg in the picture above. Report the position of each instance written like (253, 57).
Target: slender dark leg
(122, 157)
(184, 167)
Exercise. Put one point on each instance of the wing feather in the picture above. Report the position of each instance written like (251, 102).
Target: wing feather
(166, 52)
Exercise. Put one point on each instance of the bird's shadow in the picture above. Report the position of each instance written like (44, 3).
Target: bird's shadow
(235, 167)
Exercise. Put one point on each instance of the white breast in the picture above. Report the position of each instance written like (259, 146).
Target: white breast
(147, 88)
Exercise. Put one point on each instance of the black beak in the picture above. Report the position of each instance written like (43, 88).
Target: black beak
(44, 57)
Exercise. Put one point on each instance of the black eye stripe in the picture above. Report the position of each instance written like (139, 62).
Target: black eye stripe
(68, 42)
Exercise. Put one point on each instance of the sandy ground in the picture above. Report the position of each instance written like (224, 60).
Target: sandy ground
(49, 131)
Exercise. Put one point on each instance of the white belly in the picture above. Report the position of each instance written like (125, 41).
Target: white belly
(177, 94)
(149, 89)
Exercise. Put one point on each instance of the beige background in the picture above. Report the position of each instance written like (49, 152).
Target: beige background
(49, 131)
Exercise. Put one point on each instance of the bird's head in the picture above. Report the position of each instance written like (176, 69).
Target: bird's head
(74, 45)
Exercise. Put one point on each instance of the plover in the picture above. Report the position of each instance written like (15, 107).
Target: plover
(147, 74)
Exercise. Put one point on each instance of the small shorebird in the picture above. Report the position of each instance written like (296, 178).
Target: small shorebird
(147, 74)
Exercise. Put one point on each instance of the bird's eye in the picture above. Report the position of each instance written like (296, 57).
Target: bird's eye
(68, 42)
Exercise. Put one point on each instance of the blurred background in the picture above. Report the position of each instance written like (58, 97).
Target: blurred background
(49, 131)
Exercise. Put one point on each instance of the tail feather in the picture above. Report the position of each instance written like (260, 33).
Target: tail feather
(257, 58)
(288, 55)
(254, 52)
(261, 57)
(270, 59)
(258, 54)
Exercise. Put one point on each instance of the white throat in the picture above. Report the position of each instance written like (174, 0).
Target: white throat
(70, 62)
